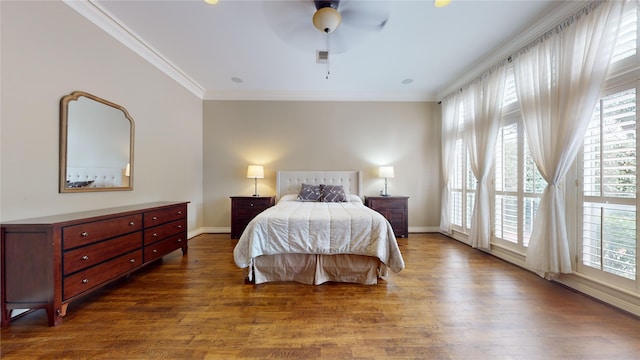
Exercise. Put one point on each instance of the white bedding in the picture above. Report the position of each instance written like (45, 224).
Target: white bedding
(326, 228)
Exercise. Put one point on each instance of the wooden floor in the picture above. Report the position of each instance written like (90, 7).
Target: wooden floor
(451, 302)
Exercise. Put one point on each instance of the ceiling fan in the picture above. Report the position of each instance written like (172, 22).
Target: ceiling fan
(309, 24)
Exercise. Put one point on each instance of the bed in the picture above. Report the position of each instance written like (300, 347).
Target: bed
(327, 236)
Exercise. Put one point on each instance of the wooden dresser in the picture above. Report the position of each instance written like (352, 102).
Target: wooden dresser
(47, 262)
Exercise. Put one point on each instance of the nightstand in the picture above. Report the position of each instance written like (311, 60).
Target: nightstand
(395, 209)
(245, 208)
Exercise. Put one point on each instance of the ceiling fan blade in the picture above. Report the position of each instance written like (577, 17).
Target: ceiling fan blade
(365, 22)
(291, 22)
(365, 15)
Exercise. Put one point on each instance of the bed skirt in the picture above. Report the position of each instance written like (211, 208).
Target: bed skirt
(317, 269)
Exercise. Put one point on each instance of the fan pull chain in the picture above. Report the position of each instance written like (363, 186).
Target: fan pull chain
(328, 56)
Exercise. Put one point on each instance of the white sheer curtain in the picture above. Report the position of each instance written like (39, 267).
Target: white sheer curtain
(482, 113)
(558, 82)
(450, 116)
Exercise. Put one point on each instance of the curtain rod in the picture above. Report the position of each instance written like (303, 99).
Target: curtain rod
(555, 29)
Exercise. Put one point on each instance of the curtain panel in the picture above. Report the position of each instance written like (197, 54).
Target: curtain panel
(450, 118)
(558, 81)
(482, 112)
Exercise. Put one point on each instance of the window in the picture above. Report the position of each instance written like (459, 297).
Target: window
(607, 206)
(518, 183)
(463, 184)
(608, 246)
(609, 218)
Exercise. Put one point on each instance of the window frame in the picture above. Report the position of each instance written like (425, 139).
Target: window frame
(613, 86)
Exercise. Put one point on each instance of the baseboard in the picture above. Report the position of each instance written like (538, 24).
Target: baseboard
(424, 229)
(600, 291)
(607, 293)
(194, 233)
(216, 230)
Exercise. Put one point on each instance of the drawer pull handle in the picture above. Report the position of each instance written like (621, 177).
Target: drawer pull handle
(179, 212)
(155, 251)
(84, 233)
(85, 257)
(132, 223)
(251, 204)
(155, 234)
(132, 260)
(179, 240)
(85, 281)
(179, 226)
(155, 218)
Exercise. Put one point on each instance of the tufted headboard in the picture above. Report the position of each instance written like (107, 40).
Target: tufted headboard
(96, 177)
(289, 182)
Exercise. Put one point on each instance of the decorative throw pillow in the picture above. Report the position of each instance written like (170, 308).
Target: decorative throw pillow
(309, 192)
(333, 193)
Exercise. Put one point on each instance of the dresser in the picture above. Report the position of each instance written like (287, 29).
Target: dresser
(244, 209)
(394, 209)
(48, 262)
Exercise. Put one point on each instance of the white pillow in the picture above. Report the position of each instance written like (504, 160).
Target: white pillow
(354, 198)
(289, 197)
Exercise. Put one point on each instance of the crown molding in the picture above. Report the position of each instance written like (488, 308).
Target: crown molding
(104, 20)
(547, 22)
(318, 96)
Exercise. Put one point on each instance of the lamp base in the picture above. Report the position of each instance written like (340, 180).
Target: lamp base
(255, 195)
(382, 193)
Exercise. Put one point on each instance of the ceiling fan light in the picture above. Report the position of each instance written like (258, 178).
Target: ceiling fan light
(327, 19)
(441, 3)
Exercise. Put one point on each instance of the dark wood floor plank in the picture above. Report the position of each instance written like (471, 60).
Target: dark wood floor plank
(451, 302)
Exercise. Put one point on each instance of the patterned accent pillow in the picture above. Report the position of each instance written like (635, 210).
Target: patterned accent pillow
(333, 193)
(309, 192)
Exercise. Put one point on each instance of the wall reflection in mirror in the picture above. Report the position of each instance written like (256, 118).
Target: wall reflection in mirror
(96, 144)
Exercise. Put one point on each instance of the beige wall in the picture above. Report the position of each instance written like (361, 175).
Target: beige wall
(48, 51)
(322, 136)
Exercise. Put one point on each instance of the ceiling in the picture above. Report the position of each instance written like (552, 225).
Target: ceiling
(266, 50)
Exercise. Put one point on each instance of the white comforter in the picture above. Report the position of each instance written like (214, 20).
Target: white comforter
(319, 228)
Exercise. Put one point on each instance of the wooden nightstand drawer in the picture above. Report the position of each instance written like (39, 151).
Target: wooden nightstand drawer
(395, 209)
(244, 209)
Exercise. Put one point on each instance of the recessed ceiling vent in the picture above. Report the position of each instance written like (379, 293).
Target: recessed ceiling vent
(322, 56)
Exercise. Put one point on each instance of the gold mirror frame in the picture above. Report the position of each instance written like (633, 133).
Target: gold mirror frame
(96, 173)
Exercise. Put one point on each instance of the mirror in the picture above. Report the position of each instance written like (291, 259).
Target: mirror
(96, 145)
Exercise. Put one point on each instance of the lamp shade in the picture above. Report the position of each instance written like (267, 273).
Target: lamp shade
(386, 171)
(255, 172)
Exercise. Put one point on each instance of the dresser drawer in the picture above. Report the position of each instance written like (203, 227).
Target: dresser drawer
(157, 217)
(163, 231)
(87, 256)
(94, 276)
(83, 234)
(161, 248)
